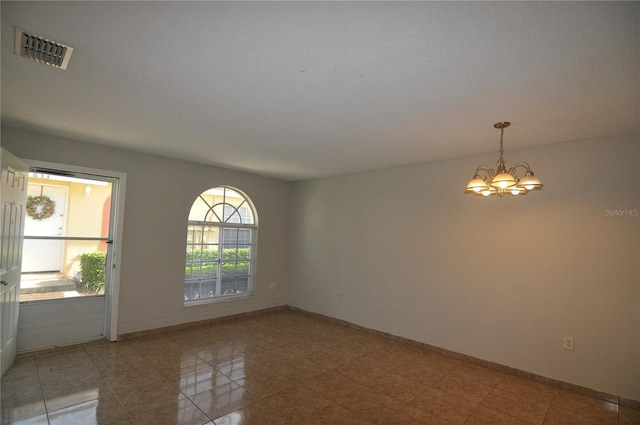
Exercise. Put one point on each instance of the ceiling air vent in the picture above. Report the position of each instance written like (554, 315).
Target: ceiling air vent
(42, 49)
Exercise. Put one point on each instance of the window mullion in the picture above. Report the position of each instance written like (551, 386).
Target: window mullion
(219, 271)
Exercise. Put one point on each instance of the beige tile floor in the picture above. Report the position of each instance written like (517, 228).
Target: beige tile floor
(282, 368)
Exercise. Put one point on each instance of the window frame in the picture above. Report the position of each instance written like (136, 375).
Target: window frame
(212, 220)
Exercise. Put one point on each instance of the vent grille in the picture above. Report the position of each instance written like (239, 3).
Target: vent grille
(42, 50)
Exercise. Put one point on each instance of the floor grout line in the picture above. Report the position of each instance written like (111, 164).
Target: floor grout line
(285, 345)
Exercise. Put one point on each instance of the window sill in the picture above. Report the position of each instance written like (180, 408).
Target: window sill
(220, 299)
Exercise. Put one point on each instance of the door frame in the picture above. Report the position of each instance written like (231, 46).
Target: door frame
(117, 225)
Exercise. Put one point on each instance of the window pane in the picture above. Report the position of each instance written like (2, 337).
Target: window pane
(199, 289)
(235, 285)
(199, 209)
(229, 268)
(244, 236)
(218, 212)
(231, 214)
(247, 216)
(236, 236)
(229, 236)
(192, 235)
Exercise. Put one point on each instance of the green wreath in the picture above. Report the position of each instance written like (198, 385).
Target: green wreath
(40, 207)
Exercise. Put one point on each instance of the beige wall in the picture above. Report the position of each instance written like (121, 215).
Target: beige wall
(160, 192)
(404, 251)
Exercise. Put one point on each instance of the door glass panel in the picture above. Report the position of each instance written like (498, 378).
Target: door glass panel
(66, 230)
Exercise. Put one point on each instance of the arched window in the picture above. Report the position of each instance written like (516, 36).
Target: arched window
(221, 236)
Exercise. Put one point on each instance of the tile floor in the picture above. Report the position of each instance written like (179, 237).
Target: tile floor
(282, 368)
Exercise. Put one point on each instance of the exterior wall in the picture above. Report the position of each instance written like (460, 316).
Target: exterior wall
(84, 217)
(404, 251)
(160, 193)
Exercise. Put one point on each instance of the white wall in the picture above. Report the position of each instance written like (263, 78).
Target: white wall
(404, 251)
(160, 192)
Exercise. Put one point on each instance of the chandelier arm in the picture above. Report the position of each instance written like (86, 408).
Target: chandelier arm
(514, 173)
(524, 165)
(490, 172)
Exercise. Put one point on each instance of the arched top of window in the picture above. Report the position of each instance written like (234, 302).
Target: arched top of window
(222, 205)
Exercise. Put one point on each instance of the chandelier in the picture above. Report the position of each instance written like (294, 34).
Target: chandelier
(487, 181)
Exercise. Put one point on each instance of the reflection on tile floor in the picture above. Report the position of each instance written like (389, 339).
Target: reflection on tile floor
(283, 368)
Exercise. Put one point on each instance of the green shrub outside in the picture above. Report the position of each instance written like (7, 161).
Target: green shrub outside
(202, 264)
(92, 271)
(212, 255)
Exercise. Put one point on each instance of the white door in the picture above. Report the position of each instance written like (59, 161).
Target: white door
(13, 193)
(45, 255)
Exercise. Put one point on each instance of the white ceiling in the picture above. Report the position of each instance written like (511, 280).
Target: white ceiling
(299, 90)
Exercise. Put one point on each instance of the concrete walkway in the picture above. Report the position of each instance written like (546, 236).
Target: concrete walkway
(40, 286)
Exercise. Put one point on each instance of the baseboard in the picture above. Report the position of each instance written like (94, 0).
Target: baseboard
(182, 326)
(59, 347)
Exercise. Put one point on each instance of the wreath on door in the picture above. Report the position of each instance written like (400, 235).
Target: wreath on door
(40, 207)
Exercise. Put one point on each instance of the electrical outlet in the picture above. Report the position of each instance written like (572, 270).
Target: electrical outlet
(272, 285)
(568, 343)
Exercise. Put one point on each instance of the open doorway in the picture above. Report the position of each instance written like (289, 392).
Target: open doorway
(69, 274)
(66, 233)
